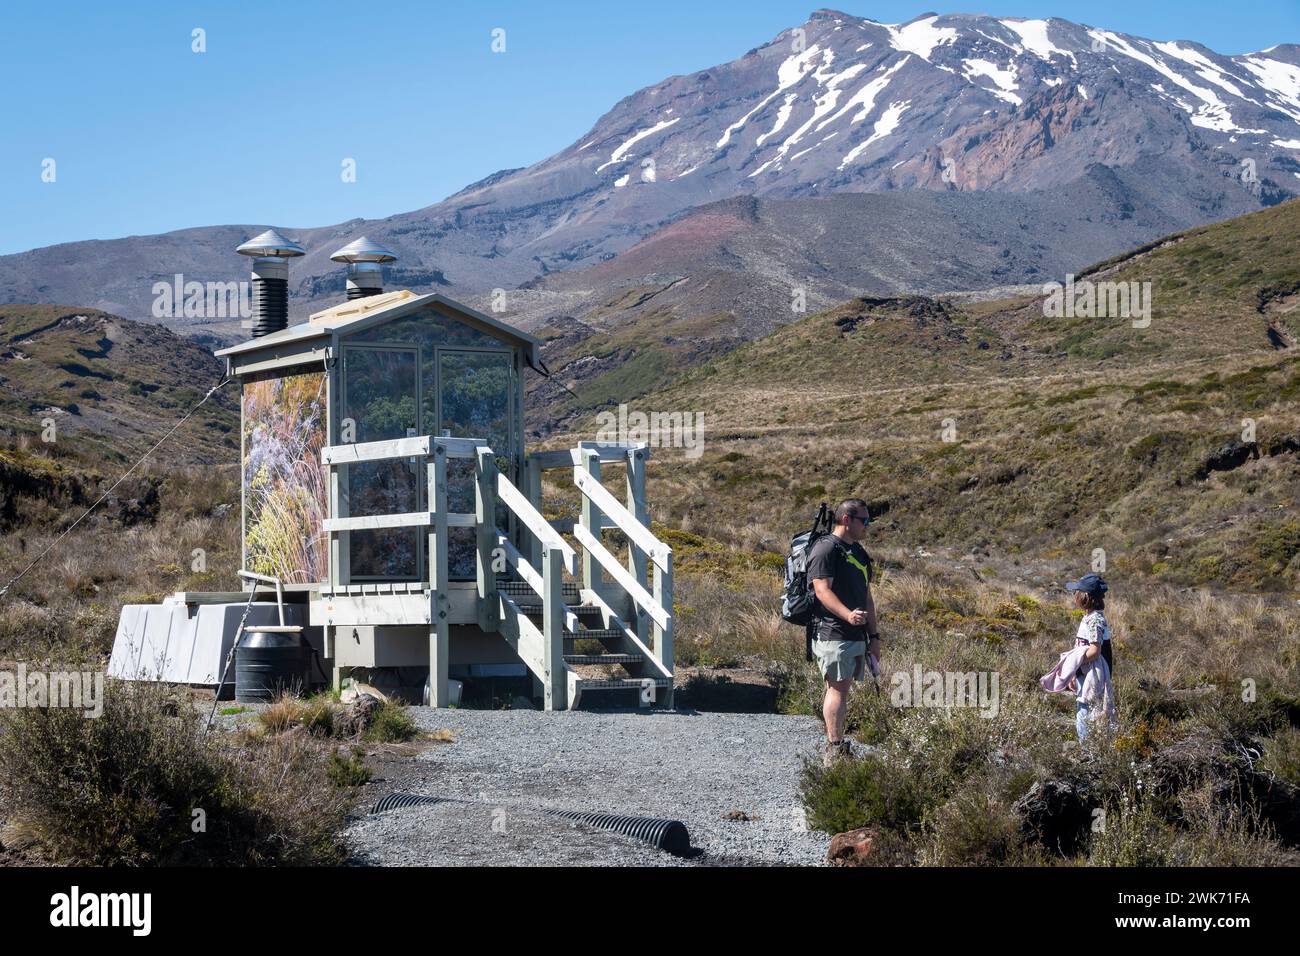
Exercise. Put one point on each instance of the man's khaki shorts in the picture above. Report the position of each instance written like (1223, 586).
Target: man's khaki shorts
(841, 660)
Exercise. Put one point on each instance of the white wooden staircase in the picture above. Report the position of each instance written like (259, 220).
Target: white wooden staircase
(605, 632)
(597, 641)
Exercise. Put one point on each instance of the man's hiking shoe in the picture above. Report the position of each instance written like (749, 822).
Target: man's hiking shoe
(836, 752)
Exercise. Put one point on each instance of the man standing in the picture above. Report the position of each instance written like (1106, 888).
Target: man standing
(844, 618)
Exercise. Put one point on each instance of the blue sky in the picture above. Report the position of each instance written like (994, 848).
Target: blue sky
(148, 136)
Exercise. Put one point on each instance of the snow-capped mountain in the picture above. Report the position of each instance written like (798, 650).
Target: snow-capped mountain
(964, 102)
(1152, 135)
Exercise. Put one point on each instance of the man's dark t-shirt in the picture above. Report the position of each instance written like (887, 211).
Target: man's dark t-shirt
(830, 558)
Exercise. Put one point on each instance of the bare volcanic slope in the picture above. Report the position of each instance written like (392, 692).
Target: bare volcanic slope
(731, 271)
(956, 103)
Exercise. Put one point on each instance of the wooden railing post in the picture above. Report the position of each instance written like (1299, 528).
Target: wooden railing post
(485, 513)
(663, 646)
(439, 599)
(340, 544)
(636, 559)
(533, 491)
(591, 519)
(555, 681)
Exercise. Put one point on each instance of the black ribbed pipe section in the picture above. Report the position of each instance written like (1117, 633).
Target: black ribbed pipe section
(667, 835)
(671, 836)
(356, 292)
(270, 306)
(396, 801)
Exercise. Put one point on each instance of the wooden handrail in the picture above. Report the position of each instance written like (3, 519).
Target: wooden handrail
(657, 551)
(412, 519)
(347, 454)
(418, 446)
(624, 577)
(609, 452)
(521, 564)
(532, 519)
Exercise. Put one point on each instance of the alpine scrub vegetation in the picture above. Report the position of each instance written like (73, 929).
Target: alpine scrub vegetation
(169, 527)
(142, 785)
(989, 427)
(1200, 772)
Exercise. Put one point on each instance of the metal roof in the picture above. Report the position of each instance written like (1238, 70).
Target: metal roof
(357, 314)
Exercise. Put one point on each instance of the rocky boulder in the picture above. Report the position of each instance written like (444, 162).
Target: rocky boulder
(354, 718)
(852, 848)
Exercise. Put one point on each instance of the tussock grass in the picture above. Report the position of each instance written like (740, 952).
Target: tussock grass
(281, 714)
(391, 724)
(318, 716)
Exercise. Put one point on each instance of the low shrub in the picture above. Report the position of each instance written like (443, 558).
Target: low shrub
(348, 770)
(975, 829)
(142, 785)
(1282, 755)
(391, 724)
(859, 793)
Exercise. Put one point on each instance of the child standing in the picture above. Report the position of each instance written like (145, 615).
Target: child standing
(1091, 682)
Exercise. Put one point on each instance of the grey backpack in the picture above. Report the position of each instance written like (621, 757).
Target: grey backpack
(798, 599)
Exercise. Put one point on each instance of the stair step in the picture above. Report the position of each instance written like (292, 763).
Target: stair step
(593, 634)
(517, 590)
(621, 683)
(603, 659)
(584, 612)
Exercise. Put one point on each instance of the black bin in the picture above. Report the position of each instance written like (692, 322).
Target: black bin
(268, 661)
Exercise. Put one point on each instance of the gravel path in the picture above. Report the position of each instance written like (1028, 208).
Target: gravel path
(693, 767)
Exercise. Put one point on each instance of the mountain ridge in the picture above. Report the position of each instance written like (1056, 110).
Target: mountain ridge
(952, 103)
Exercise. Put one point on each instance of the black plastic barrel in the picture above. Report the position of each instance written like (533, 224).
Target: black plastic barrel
(269, 662)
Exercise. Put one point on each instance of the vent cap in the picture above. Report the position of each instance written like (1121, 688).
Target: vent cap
(271, 244)
(363, 250)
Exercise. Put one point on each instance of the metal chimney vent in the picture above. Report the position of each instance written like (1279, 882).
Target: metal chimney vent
(271, 253)
(365, 272)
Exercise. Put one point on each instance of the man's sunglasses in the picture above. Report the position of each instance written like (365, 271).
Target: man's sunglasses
(865, 519)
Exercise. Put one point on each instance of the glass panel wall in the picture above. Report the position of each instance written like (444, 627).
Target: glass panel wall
(475, 398)
(381, 388)
(467, 389)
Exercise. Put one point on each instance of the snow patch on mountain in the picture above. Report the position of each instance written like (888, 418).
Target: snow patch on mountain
(884, 126)
(1206, 69)
(620, 154)
(1005, 79)
(1033, 34)
(865, 97)
(1280, 79)
(822, 105)
(782, 116)
(791, 71)
(1213, 114)
(919, 37)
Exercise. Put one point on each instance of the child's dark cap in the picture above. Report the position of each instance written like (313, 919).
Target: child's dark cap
(1089, 583)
